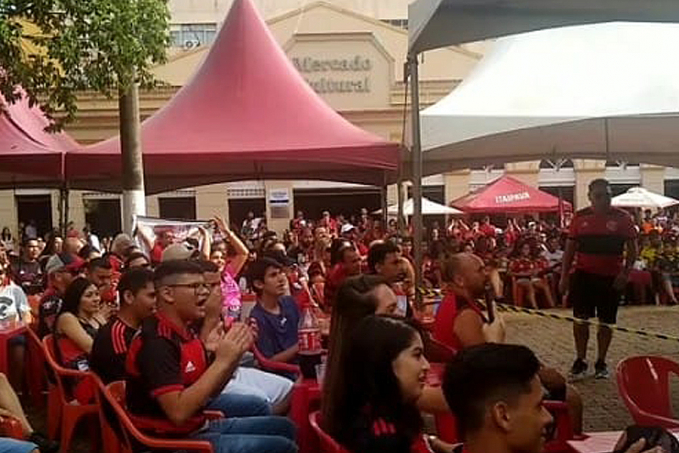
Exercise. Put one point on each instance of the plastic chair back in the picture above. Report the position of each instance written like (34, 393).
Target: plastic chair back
(112, 402)
(643, 383)
(59, 398)
(59, 372)
(35, 365)
(328, 444)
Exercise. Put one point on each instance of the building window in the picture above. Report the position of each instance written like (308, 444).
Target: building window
(400, 23)
(190, 36)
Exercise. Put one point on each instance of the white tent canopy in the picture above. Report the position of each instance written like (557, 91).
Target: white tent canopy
(607, 91)
(428, 208)
(440, 23)
(638, 197)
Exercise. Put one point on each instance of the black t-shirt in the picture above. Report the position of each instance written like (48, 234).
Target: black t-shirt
(162, 358)
(110, 348)
(28, 275)
(50, 305)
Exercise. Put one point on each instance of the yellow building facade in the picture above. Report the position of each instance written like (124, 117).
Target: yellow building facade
(351, 52)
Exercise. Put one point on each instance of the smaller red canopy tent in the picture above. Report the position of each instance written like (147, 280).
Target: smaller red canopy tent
(246, 114)
(507, 195)
(29, 156)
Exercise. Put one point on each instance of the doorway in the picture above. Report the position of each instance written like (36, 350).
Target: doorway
(239, 208)
(36, 208)
(103, 215)
(177, 208)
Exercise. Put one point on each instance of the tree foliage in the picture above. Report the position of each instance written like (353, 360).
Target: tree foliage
(54, 49)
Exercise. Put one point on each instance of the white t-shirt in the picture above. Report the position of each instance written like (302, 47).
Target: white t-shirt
(13, 300)
(553, 258)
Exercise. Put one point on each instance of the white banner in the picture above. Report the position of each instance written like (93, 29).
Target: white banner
(183, 231)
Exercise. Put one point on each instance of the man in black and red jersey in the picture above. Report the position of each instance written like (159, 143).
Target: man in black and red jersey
(599, 237)
(137, 302)
(171, 374)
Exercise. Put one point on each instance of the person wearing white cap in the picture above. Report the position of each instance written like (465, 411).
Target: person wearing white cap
(61, 269)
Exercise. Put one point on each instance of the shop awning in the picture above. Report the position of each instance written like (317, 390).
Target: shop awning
(511, 196)
(246, 114)
(30, 156)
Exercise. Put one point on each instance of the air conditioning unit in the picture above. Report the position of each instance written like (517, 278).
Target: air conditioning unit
(191, 44)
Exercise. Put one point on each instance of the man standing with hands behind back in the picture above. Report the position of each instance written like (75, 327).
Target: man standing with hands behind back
(599, 237)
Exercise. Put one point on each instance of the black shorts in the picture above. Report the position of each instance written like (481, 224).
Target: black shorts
(593, 295)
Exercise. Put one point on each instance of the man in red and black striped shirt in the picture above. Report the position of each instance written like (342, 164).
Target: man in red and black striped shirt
(137, 302)
(599, 238)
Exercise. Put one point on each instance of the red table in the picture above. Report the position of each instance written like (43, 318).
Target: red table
(12, 330)
(306, 398)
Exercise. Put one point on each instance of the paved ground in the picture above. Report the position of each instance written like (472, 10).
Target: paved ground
(553, 343)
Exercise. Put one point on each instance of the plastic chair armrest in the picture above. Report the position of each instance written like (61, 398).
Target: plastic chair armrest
(174, 445)
(564, 426)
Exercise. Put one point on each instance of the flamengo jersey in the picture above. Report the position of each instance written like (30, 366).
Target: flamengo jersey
(110, 349)
(601, 240)
(162, 358)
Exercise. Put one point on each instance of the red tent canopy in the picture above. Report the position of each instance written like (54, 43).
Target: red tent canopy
(29, 156)
(246, 114)
(509, 195)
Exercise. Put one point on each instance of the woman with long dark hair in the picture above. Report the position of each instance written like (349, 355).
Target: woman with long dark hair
(358, 298)
(77, 324)
(377, 405)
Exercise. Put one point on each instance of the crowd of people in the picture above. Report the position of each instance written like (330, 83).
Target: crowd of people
(170, 317)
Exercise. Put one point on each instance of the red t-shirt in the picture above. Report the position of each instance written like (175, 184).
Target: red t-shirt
(333, 281)
(488, 230)
(600, 240)
(444, 324)
(157, 253)
(527, 265)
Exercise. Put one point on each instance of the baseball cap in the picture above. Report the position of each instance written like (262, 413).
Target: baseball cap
(280, 257)
(346, 228)
(64, 262)
(181, 251)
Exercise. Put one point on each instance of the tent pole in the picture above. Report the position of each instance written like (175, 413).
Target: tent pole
(383, 206)
(400, 225)
(401, 217)
(66, 208)
(416, 155)
(60, 208)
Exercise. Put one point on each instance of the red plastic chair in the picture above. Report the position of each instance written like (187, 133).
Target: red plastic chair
(643, 383)
(328, 444)
(272, 365)
(127, 436)
(60, 403)
(35, 368)
(564, 428)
